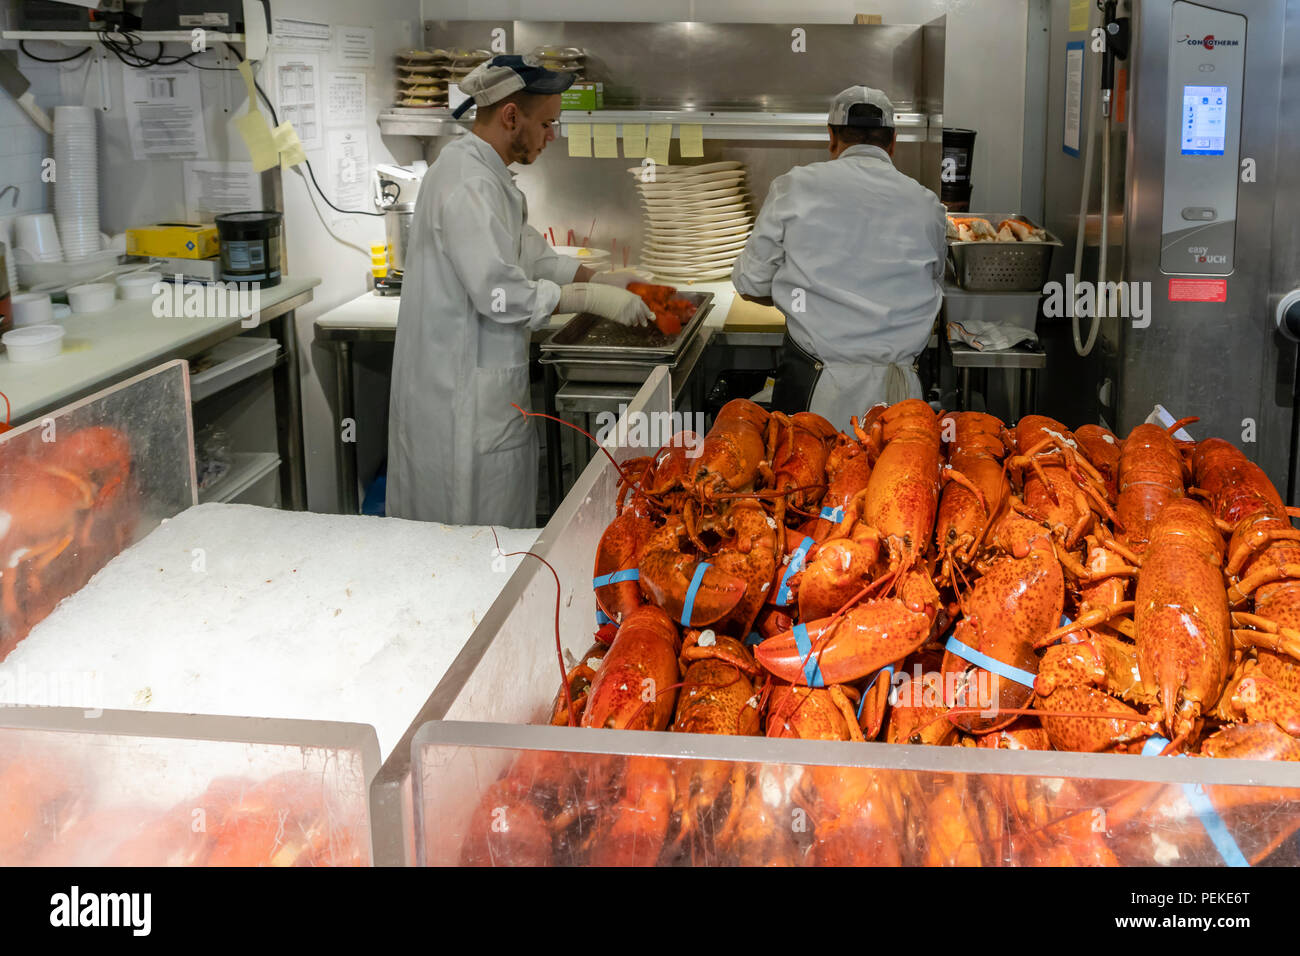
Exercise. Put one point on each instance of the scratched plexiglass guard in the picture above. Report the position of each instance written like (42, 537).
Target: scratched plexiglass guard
(81, 484)
(485, 805)
(92, 798)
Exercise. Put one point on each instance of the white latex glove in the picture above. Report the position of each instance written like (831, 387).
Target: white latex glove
(609, 302)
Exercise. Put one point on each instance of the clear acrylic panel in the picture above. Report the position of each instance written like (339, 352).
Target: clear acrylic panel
(84, 483)
(126, 789)
(490, 794)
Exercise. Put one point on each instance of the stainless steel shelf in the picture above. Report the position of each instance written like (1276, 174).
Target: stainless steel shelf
(408, 121)
(717, 125)
(87, 36)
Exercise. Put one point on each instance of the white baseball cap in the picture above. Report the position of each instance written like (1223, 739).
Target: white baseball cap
(495, 79)
(861, 96)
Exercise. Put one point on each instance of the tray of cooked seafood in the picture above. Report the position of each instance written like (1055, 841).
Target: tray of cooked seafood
(1000, 252)
(678, 317)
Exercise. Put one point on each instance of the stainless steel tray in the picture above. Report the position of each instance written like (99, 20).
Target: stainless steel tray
(587, 338)
(1002, 266)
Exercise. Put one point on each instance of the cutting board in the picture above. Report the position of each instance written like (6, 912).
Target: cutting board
(748, 317)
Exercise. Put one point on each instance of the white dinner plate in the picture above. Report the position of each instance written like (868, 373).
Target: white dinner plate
(714, 181)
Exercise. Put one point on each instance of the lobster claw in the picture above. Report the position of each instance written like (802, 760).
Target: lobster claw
(694, 593)
(617, 556)
(867, 638)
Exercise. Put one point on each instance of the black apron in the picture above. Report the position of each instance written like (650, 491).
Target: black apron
(797, 373)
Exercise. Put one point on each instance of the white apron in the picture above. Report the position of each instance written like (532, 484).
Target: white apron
(478, 280)
(844, 391)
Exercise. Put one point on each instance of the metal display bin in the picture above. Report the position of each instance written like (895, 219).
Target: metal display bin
(121, 788)
(476, 759)
(507, 670)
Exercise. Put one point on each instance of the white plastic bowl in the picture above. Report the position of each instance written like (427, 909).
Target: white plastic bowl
(95, 297)
(138, 285)
(34, 343)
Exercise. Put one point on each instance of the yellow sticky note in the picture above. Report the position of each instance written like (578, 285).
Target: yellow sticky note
(692, 135)
(661, 135)
(286, 141)
(633, 140)
(579, 139)
(606, 137)
(1079, 10)
(246, 71)
(253, 128)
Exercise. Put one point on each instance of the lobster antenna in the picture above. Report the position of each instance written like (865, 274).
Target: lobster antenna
(617, 466)
(1189, 420)
(559, 651)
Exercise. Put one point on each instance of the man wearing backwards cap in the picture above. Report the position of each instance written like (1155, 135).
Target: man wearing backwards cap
(852, 251)
(478, 280)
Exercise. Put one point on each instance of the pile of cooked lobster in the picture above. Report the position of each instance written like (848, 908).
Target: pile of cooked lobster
(67, 507)
(928, 579)
(671, 310)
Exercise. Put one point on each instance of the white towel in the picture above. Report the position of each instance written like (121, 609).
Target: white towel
(989, 336)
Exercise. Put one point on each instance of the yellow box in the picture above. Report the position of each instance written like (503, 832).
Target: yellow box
(181, 240)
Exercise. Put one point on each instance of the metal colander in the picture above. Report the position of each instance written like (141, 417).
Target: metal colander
(1002, 266)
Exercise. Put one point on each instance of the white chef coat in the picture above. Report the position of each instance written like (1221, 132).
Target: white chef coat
(852, 251)
(478, 279)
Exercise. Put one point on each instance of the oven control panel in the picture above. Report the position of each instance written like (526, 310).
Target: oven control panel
(1207, 61)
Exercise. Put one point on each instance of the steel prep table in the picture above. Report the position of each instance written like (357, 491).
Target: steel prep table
(373, 318)
(103, 348)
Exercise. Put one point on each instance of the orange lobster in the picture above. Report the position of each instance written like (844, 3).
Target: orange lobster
(635, 687)
(1150, 476)
(1101, 447)
(1062, 487)
(670, 309)
(1263, 559)
(976, 450)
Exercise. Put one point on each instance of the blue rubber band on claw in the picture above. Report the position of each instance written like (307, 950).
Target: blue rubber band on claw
(602, 618)
(812, 671)
(631, 574)
(1205, 810)
(832, 514)
(797, 558)
(967, 653)
(862, 701)
(689, 606)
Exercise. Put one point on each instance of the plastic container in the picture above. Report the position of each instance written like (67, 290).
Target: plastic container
(250, 246)
(32, 308)
(95, 297)
(34, 343)
(138, 285)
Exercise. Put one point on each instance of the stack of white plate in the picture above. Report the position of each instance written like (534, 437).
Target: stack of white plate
(422, 78)
(562, 59)
(696, 218)
(76, 181)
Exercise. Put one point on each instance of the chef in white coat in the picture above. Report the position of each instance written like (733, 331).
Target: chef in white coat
(478, 280)
(852, 252)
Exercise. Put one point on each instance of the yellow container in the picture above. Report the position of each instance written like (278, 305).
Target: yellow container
(180, 240)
